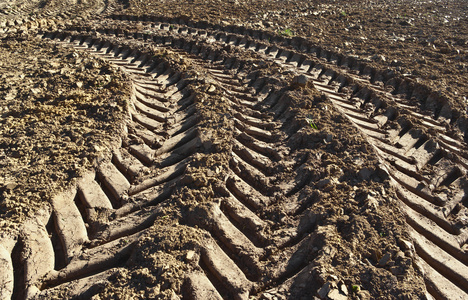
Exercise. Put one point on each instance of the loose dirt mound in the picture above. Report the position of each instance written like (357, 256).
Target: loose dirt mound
(253, 164)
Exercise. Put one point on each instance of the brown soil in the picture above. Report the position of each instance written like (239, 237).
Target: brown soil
(301, 204)
(425, 41)
(60, 110)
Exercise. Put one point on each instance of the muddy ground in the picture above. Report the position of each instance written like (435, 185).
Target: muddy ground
(61, 109)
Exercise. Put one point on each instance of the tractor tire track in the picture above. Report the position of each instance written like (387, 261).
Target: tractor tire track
(231, 261)
(425, 154)
(93, 226)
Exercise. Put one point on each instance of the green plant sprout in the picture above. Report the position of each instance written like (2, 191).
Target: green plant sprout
(311, 122)
(356, 288)
(286, 32)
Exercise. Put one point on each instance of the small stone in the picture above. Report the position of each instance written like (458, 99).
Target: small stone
(376, 254)
(36, 91)
(343, 288)
(10, 185)
(10, 96)
(79, 84)
(335, 295)
(400, 255)
(407, 245)
(324, 290)
(299, 81)
(372, 203)
(365, 173)
(190, 255)
(379, 57)
(395, 270)
(174, 296)
(364, 295)
(385, 259)
(323, 183)
(405, 23)
(267, 296)
(211, 89)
